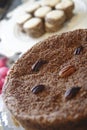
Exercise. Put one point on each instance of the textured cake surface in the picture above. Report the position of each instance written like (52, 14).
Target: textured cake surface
(49, 109)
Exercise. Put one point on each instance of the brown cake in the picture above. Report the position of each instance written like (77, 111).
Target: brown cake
(46, 89)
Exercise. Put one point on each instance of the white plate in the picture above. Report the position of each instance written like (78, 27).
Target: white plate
(13, 40)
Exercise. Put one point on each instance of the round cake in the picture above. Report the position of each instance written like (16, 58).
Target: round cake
(46, 89)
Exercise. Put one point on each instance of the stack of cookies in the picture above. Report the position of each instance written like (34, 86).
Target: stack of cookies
(45, 16)
(54, 20)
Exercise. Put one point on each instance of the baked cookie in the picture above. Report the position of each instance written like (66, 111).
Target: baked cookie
(31, 8)
(22, 19)
(42, 11)
(53, 20)
(51, 3)
(56, 17)
(51, 27)
(34, 27)
(67, 6)
(46, 89)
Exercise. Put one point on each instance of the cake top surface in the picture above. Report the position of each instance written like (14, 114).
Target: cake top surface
(50, 80)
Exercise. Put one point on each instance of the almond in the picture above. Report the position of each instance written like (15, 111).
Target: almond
(66, 71)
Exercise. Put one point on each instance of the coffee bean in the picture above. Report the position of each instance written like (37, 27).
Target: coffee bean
(37, 65)
(78, 50)
(70, 93)
(37, 89)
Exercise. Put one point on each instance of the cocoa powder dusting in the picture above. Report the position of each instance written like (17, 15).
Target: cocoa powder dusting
(58, 50)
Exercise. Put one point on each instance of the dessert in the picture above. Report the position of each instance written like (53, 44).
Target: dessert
(22, 19)
(42, 11)
(51, 28)
(31, 8)
(46, 89)
(53, 20)
(34, 27)
(53, 13)
(50, 3)
(67, 6)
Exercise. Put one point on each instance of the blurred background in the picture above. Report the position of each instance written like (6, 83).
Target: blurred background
(8, 5)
